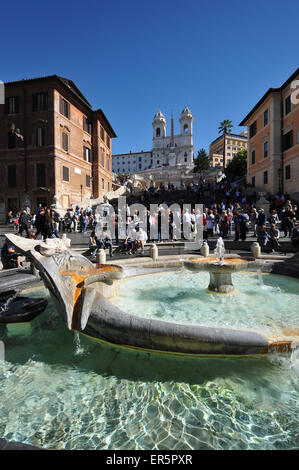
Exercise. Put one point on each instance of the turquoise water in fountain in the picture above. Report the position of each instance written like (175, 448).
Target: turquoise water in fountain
(182, 297)
(61, 390)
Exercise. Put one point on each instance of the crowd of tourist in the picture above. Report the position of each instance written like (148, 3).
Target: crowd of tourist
(234, 215)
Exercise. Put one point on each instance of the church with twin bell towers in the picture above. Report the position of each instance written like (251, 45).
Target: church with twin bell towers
(171, 158)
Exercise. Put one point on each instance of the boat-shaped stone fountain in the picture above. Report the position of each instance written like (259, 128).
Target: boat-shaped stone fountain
(81, 294)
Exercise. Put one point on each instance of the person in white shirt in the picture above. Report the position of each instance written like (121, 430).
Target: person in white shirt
(141, 238)
(210, 223)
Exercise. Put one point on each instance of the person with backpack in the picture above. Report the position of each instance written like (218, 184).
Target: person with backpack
(24, 222)
(9, 258)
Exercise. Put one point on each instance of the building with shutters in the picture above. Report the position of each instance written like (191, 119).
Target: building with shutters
(273, 146)
(53, 145)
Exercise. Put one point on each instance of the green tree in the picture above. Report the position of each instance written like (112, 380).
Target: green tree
(237, 167)
(202, 162)
(225, 128)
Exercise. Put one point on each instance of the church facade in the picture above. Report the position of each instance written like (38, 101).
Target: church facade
(171, 158)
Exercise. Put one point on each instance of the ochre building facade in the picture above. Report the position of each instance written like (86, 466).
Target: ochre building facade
(53, 145)
(273, 150)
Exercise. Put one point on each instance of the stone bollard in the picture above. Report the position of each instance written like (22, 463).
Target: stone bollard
(154, 252)
(205, 250)
(33, 270)
(256, 250)
(101, 257)
(66, 241)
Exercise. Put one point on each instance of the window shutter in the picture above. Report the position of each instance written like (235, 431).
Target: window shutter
(34, 102)
(17, 104)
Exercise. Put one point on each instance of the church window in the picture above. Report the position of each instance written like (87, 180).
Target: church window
(158, 131)
(186, 129)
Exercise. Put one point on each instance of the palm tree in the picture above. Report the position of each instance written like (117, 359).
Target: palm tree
(225, 128)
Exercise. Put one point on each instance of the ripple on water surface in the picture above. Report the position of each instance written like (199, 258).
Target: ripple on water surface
(183, 298)
(60, 391)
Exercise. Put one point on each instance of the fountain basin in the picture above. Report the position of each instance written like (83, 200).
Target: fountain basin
(72, 281)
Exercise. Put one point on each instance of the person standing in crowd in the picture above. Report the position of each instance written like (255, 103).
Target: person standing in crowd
(262, 218)
(39, 221)
(16, 222)
(243, 223)
(84, 222)
(55, 221)
(9, 217)
(254, 220)
(210, 224)
(74, 219)
(24, 222)
(237, 225)
(295, 236)
(159, 220)
(68, 222)
(287, 220)
(47, 228)
(171, 225)
(274, 219)
(115, 223)
(224, 224)
(148, 224)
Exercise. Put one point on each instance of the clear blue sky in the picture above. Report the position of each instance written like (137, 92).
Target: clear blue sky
(132, 57)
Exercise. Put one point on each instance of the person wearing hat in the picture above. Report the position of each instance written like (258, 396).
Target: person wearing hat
(10, 259)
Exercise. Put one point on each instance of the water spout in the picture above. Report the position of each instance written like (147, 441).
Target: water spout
(5, 307)
(220, 250)
(78, 348)
(260, 277)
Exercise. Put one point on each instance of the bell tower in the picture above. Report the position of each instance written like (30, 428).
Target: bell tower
(186, 122)
(159, 126)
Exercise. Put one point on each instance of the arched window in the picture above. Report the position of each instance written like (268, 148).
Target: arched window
(158, 132)
(186, 128)
(185, 156)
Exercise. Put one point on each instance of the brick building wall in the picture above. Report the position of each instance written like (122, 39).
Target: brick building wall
(57, 154)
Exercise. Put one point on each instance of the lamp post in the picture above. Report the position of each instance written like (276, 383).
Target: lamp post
(20, 136)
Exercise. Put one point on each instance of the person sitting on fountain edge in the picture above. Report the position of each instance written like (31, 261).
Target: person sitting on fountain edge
(10, 259)
(273, 234)
(262, 236)
(105, 242)
(141, 238)
(93, 244)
